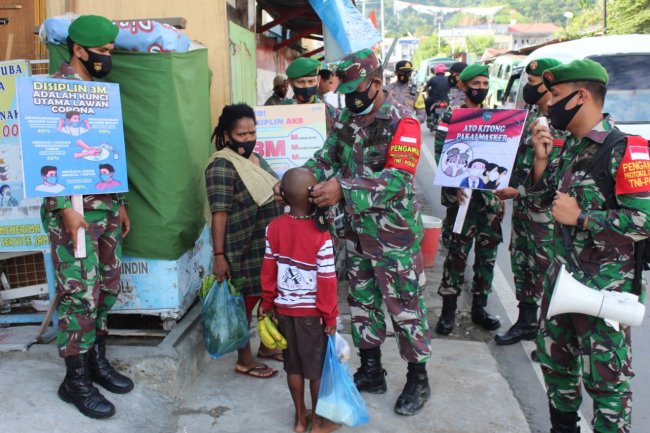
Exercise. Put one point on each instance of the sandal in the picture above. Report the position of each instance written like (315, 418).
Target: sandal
(255, 371)
(273, 356)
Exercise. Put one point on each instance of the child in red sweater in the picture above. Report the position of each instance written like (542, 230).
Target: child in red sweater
(299, 285)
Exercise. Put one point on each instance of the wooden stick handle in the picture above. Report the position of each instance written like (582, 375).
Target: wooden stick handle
(80, 248)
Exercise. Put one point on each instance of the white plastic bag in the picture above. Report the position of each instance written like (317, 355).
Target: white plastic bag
(342, 348)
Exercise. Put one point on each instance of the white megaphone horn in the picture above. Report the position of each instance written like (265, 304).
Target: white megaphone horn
(571, 296)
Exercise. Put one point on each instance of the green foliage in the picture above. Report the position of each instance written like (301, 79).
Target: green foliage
(429, 48)
(478, 44)
(628, 16)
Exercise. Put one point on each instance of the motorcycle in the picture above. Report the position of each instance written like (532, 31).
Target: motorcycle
(435, 113)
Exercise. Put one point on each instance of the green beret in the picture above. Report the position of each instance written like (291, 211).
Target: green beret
(92, 31)
(473, 71)
(354, 68)
(577, 70)
(303, 67)
(537, 67)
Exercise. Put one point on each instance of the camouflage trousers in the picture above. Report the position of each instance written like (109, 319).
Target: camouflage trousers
(576, 347)
(88, 287)
(482, 228)
(530, 249)
(397, 281)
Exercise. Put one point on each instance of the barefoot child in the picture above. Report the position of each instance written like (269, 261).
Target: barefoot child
(299, 284)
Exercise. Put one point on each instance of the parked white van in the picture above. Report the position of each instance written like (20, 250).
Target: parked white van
(627, 60)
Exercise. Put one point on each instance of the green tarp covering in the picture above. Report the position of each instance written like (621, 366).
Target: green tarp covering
(166, 111)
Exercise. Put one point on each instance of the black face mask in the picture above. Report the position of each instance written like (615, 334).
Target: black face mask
(477, 96)
(559, 116)
(360, 102)
(305, 94)
(97, 65)
(248, 147)
(531, 93)
(452, 81)
(403, 78)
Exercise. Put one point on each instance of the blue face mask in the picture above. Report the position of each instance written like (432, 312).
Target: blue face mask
(105, 177)
(52, 180)
(75, 124)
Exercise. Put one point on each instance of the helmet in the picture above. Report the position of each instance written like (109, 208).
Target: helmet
(440, 69)
(458, 67)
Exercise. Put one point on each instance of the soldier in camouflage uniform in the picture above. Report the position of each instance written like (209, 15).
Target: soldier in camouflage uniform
(304, 80)
(87, 287)
(599, 251)
(405, 92)
(482, 227)
(532, 227)
(383, 229)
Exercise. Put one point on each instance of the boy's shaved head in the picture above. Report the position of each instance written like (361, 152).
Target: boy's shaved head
(295, 185)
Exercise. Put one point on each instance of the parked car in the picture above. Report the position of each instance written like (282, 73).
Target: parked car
(500, 71)
(626, 58)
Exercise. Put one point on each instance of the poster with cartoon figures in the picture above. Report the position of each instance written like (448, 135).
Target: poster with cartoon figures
(72, 137)
(480, 148)
(288, 135)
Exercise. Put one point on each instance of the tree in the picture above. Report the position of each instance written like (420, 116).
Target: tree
(429, 48)
(628, 16)
(478, 44)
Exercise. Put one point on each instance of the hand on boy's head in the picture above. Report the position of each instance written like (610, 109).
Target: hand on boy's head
(277, 195)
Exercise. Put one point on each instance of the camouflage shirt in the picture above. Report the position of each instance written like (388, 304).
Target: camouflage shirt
(521, 206)
(606, 249)
(380, 203)
(92, 201)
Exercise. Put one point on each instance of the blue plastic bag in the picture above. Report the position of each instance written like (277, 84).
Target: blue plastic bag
(223, 316)
(338, 397)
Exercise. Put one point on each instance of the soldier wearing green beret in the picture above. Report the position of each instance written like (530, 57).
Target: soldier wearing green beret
(383, 228)
(532, 226)
(482, 226)
(87, 286)
(304, 80)
(595, 240)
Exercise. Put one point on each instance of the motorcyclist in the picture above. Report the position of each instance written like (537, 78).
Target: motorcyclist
(437, 87)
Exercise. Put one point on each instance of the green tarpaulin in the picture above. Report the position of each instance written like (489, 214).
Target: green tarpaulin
(166, 111)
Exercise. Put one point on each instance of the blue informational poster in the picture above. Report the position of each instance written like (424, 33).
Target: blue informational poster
(72, 137)
(349, 28)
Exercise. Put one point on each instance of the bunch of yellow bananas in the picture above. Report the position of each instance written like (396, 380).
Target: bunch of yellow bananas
(269, 334)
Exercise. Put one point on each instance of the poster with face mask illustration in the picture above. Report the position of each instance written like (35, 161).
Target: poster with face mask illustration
(480, 148)
(288, 135)
(72, 137)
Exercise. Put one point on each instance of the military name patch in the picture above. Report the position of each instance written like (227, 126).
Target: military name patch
(633, 175)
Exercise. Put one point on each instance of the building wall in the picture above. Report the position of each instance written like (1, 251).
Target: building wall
(206, 23)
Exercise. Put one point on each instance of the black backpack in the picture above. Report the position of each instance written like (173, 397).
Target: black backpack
(600, 171)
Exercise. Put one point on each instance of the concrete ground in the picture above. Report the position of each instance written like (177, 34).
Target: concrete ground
(179, 389)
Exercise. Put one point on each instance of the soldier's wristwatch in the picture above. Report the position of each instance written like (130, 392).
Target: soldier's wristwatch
(581, 220)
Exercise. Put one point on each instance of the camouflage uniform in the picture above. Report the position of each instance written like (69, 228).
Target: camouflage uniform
(574, 346)
(88, 286)
(406, 94)
(532, 226)
(383, 231)
(482, 225)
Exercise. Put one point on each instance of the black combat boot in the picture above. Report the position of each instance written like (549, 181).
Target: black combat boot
(480, 316)
(103, 373)
(80, 391)
(564, 422)
(416, 391)
(370, 376)
(447, 315)
(525, 328)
